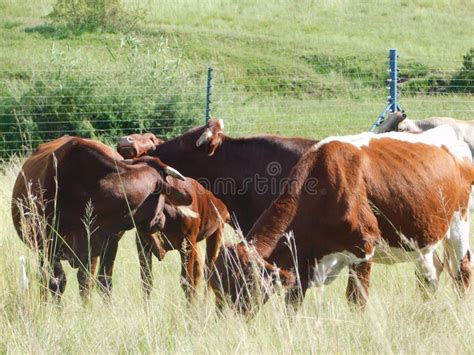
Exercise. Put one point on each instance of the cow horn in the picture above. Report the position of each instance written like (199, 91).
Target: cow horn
(174, 173)
(127, 161)
(206, 136)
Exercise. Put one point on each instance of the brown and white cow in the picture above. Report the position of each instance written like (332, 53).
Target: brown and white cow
(245, 173)
(349, 195)
(74, 197)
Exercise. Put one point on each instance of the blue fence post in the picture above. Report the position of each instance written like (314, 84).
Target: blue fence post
(208, 94)
(393, 81)
(392, 104)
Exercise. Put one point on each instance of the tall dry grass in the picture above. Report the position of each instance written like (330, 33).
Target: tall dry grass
(396, 319)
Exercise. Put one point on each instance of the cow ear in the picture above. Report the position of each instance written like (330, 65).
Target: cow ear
(177, 197)
(212, 136)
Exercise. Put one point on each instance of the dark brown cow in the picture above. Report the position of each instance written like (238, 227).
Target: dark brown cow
(73, 198)
(204, 219)
(346, 196)
(245, 173)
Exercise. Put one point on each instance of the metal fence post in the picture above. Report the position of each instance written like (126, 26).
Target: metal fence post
(208, 93)
(392, 104)
(394, 80)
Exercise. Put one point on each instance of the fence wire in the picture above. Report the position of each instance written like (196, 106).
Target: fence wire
(36, 106)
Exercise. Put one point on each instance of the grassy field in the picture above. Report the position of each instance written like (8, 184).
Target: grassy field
(396, 319)
(310, 68)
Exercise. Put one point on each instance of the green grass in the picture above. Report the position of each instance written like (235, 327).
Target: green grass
(309, 68)
(396, 319)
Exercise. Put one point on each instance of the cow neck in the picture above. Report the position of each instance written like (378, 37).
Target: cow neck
(276, 219)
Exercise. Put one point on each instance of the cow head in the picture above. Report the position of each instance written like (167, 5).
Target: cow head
(244, 279)
(392, 121)
(163, 191)
(137, 145)
(211, 137)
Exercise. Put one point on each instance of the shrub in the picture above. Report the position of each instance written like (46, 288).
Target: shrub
(108, 15)
(463, 80)
(153, 93)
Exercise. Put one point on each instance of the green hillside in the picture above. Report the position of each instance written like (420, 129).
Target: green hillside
(311, 68)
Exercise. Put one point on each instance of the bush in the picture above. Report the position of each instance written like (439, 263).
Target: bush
(154, 93)
(437, 82)
(108, 15)
(463, 80)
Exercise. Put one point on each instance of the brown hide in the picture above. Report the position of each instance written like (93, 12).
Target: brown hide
(403, 193)
(181, 230)
(205, 153)
(58, 182)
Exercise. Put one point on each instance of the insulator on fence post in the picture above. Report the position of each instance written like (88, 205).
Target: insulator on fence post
(208, 94)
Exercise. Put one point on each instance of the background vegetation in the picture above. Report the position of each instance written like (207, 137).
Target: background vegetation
(310, 68)
(107, 68)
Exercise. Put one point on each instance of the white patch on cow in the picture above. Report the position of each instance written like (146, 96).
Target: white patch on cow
(391, 255)
(425, 266)
(328, 268)
(457, 240)
(186, 211)
(443, 135)
(408, 125)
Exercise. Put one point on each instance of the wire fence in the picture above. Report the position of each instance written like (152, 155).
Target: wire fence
(330, 99)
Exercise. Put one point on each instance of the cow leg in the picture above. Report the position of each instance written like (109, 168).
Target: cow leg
(294, 296)
(197, 268)
(358, 284)
(52, 275)
(426, 272)
(107, 259)
(459, 253)
(213, 244)
(57, 282)
(43, 276)
(85, 276)
(188, 254)
(144, 249)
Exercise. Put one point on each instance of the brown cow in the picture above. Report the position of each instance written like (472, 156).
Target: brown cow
(346, 196)
(181, 231)
(245, 173)
(74, 197)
